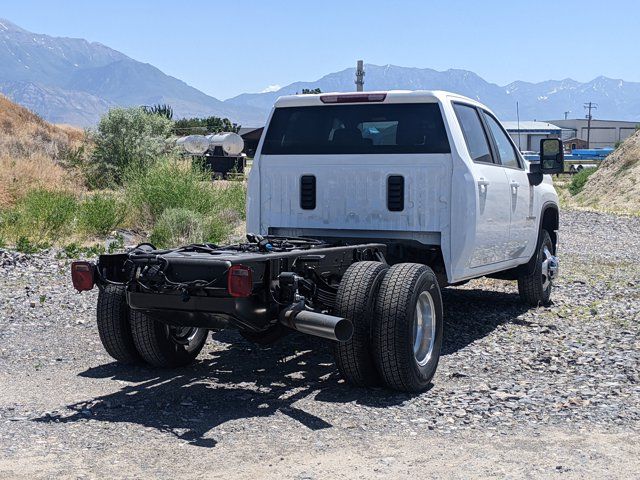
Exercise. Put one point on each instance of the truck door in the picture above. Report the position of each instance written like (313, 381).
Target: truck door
(522, 229)
(492, 190)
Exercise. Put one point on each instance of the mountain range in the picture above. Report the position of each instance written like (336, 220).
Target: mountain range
(68, 80)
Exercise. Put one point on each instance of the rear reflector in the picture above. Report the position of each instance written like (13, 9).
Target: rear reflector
(240, 281)
(354, 98)
(82, 275)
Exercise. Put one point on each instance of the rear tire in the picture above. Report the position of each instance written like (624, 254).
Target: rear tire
(163, 346)
(408, 327)
(355, 300)
(531, 287)
(114, 328)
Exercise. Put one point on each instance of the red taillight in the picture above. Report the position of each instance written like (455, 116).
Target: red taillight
(82, 276)
(354, 98)
(239, 281)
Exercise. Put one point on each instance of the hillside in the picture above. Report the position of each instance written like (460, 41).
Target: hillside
(71, 80)
(616, 184)
(31, 150)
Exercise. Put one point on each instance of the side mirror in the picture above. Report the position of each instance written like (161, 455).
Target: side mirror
(551, 156)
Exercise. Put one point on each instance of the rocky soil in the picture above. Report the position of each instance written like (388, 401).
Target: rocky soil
(547, 392)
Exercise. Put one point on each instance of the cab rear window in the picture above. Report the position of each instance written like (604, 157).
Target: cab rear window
(357, 129)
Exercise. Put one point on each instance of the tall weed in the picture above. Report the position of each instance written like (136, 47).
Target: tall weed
(41, 216)
(101, 213)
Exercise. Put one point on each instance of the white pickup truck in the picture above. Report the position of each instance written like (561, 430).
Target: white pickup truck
(362, 207)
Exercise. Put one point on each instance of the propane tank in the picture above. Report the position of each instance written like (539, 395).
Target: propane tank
(194, 144)
(231, 143)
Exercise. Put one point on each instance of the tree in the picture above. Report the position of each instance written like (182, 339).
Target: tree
(203, 126)
(159, 109)
(128, 138)
(311, 91)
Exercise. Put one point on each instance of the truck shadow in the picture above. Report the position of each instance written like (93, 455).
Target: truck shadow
(237, 379)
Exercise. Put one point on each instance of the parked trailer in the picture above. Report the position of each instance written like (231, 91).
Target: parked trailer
(219, 153)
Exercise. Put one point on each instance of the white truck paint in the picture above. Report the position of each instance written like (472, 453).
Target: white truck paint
(484, 217)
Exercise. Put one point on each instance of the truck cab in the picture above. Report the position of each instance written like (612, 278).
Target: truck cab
(432, 174)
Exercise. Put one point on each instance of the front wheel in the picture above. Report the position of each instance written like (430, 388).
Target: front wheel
(535, 287)
(164, 345)
(408, 327)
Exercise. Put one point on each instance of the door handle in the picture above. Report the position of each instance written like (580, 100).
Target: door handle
(514, 186)
(483, 183)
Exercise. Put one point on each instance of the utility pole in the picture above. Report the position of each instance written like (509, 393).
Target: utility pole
(360, 76)
(518, 117)
(566, 114)
(589, 106)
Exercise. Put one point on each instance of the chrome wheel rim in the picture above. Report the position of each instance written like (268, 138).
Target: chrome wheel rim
(424, 329)
(549, 268)
(183, 335)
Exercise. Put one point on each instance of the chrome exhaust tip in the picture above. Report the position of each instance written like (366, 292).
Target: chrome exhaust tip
(318, 324)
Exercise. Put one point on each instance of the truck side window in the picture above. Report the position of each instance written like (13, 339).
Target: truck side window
(508, 155)
(473, 132)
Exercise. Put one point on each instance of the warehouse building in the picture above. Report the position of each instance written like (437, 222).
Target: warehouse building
(527, 135)
(604, 133)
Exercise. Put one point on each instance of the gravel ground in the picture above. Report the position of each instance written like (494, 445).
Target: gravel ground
(548, 392)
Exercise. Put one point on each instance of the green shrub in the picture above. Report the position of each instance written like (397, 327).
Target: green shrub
(100, 214)
(579, 180)
(217, 229)
(129, 138)
(41, 216)
(233, 196)
(178, 226)
(181, 204)
(170, 184)
(24, 245)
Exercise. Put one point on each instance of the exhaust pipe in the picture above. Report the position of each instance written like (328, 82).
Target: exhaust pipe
(318, 324)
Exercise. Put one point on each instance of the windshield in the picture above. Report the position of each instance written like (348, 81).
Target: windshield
(353, 129)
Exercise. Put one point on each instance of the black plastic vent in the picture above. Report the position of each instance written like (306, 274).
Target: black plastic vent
(308, 192)
(395, 193)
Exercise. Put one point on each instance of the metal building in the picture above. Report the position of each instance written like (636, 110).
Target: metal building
(527, 134)
(604, 133)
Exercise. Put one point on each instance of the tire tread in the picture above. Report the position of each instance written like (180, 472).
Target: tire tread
(114, 327)
(393, 312)
(355, 300)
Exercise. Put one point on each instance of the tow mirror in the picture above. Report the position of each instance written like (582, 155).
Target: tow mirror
(551, 156)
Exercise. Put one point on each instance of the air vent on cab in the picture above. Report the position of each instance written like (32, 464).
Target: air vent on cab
(308, 192)
(395, 193)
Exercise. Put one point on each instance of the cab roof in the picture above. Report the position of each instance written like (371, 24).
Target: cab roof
(389, 96)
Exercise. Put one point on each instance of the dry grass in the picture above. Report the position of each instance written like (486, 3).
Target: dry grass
(31, 153)
(25, 134)
(616, 184)
(19, 175)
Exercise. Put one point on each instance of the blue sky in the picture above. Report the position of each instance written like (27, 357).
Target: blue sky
(227, 48)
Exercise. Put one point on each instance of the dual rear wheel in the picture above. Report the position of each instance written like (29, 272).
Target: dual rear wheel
(131, 336)
(398, 325)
